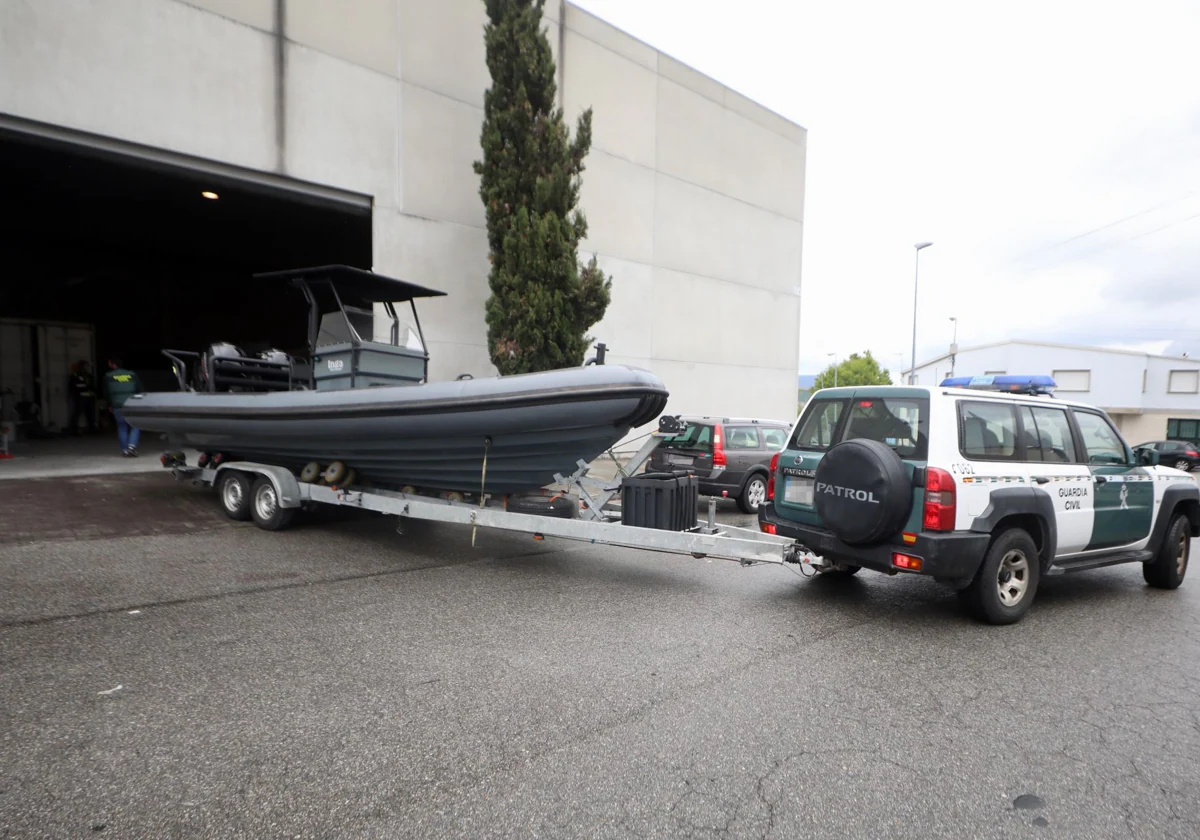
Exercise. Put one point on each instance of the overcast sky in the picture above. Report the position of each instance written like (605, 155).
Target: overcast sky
(1050, 150)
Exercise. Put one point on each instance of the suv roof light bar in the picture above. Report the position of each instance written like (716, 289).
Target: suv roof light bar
(1008, 384)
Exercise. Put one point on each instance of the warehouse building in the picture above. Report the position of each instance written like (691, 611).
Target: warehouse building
(1149, 397)
(157, 153)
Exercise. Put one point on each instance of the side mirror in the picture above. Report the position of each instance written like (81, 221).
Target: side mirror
(1147, 457)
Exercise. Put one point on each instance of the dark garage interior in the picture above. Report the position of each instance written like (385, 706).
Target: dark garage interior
(135, 249)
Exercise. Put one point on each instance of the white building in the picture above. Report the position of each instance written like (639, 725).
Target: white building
(345, 133)
(1149, 397)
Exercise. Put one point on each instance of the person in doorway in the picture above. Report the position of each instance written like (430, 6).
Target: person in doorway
(119, 386)
(83, 397)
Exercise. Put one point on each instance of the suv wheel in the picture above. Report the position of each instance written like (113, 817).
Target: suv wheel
(753, 494)
(1168, 567)
(1181, 464)
(1007, 580)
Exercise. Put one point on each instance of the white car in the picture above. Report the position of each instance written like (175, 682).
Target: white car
(983, 483)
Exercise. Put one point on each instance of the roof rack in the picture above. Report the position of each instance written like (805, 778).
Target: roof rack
(1036, 385)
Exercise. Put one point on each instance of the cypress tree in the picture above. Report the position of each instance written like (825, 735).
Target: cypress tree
(542, 301)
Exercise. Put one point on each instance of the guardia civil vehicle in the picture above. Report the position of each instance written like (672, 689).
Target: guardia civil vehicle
(985, 484)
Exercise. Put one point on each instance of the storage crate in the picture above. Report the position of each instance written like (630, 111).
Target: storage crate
(666, 501)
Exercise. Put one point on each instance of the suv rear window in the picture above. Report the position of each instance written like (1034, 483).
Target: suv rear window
(696, 437)
(820, 423)
(900, 422)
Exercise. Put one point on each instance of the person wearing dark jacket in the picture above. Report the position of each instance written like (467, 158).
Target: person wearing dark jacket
(119, 386)
(83, 396)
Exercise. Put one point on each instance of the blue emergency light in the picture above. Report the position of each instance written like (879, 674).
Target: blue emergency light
(1009, 384)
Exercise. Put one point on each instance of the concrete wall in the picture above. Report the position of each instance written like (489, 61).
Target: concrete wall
(694, 194)
(1139, 428)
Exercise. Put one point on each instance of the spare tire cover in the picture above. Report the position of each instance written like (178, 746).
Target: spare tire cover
(862, 492)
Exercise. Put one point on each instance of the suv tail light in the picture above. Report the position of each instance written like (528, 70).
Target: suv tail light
(1191, 453)
(939, 500)
(771, 476)
(719, 459)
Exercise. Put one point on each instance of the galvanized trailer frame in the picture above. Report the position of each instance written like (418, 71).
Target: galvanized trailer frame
(594, 523)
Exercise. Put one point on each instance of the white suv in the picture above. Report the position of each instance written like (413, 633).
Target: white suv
(983, 483)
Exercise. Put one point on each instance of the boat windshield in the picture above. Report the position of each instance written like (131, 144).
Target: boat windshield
(336, 330)
(367, 327)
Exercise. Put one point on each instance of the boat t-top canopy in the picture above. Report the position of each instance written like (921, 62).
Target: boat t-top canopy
(356, 283)
(341, 302)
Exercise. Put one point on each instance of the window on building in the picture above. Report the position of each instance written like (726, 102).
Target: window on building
(1047, 435)
(1188, 430)
(1079, 381)
(1184, 382)
(989, 430)
(1103, 444)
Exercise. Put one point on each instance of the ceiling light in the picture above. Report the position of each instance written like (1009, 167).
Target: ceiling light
(210, 194)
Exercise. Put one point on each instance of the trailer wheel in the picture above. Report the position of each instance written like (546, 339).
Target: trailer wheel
(265, 508)
(558, 507)
(233, 489)
(351, 477)
(311, 472)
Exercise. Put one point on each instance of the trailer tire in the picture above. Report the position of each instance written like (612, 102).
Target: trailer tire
(311, 472)
(233, 489)
(557, 507)
(268, 514)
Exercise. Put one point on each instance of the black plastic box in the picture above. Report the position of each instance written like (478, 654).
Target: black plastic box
(666, 501)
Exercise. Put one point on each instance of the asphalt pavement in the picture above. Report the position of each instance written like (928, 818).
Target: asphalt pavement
(167, 673)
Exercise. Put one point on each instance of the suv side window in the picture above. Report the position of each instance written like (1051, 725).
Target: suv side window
(775, 439)
(819, 426)
(741, 437)
(1170, 446)
(1047, 435)
(989, 430)
(1103, 444)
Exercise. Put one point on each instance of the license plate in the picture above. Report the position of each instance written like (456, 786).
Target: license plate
(679, 460)
(798, 491)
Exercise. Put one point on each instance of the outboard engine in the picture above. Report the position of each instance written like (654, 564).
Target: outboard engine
(206, 370)
(275, 355)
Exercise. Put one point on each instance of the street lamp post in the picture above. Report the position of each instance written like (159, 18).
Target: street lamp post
(953, 345)
(912, 368)
(835, 367)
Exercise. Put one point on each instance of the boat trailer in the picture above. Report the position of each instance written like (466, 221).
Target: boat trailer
(273, 494)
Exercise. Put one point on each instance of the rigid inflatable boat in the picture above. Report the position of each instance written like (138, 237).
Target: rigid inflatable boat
(366, 404)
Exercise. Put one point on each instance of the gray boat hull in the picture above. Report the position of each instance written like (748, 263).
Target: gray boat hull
(432, 436)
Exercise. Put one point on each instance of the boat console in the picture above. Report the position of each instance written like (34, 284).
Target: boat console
(345, 350)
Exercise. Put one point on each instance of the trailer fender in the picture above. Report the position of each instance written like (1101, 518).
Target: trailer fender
(287, 488)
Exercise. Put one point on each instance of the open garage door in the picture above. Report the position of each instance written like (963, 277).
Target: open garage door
(123, 252)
